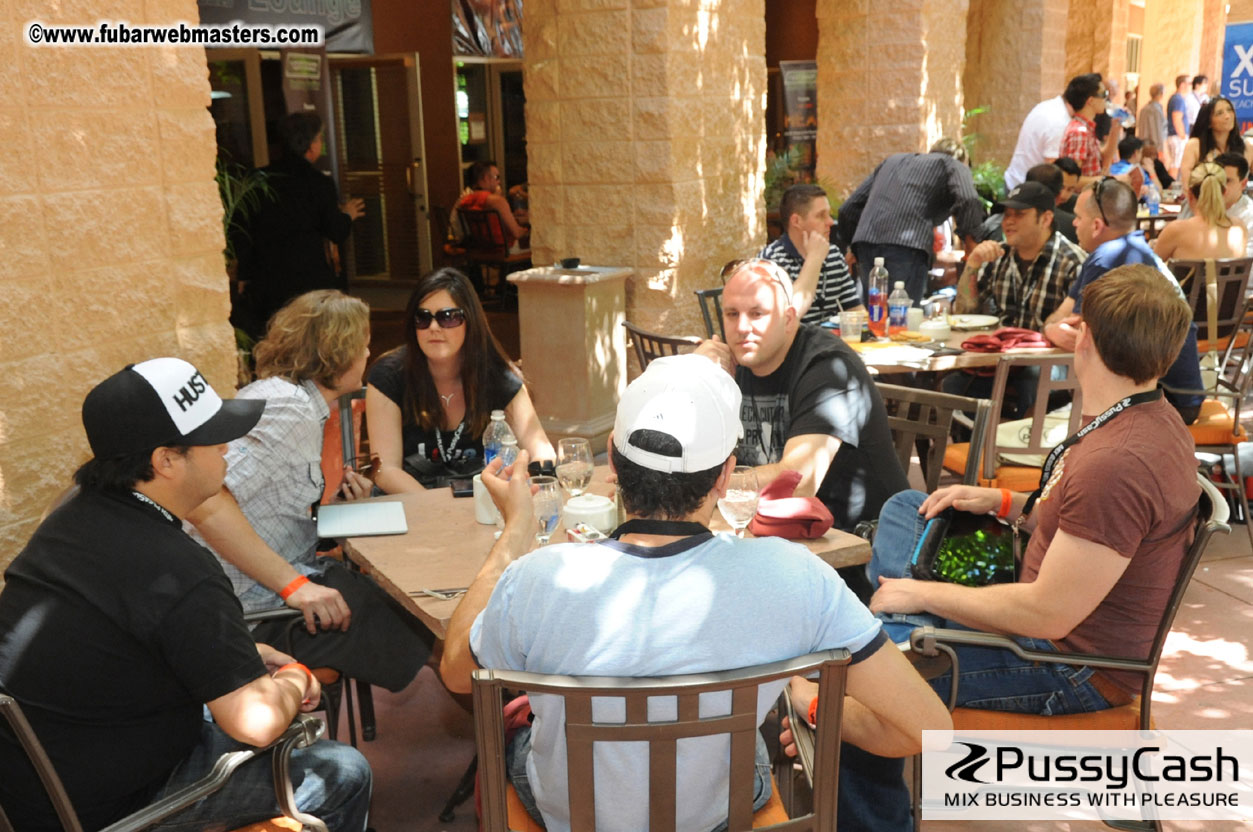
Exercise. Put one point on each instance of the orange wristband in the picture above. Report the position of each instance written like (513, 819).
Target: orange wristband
(1007, 503)
(299, 666)
(289, 590)
(813, 711)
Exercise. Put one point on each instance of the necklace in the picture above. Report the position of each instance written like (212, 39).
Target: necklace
(447, 400)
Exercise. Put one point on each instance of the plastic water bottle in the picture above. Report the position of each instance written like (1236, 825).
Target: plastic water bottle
(898, 308)
(877, 298)
(1152, 199)
(508, 455)
(497, 430)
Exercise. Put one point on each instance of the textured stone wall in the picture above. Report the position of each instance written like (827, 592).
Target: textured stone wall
(1096, 37)
(110, 249)
(1172, 43)
(889, 81)
(645, 142)
(1015, 58)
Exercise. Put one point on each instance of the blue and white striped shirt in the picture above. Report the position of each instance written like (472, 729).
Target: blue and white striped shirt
(836, 287)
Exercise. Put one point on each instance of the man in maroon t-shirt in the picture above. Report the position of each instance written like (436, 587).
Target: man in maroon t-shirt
(1108, 528)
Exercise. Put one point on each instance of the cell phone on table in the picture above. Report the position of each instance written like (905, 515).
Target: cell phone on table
(462, 487)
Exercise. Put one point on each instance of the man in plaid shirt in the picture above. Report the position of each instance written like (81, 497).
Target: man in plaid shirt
(1022, 281)
(1079, 141)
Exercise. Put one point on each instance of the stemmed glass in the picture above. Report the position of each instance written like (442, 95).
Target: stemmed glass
(574, 465)
(547, 502)
(740, 502)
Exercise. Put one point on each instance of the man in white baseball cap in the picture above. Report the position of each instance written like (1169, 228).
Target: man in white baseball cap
(117, 630)
(662, 596)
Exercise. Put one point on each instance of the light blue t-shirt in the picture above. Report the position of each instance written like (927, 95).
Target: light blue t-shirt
(700, 604)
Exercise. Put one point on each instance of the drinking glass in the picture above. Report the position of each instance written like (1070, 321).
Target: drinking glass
(739, 504)
(574, 465)
(547, 502)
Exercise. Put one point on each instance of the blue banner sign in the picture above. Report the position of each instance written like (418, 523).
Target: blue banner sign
(1237, 79)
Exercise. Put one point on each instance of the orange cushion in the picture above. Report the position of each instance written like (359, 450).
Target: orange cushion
(1123, 718)
(1013, 477)
(1215, 425)
(274, 825)
(520, 821)
(1203, 345)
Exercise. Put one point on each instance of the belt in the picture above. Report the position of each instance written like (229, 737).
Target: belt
(1106, 687)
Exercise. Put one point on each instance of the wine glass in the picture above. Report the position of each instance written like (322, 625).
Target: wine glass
(739, 504)
(574, 465)
(547, 502)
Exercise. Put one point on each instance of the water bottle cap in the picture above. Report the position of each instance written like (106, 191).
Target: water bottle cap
(878, 261)
(498, 415)
(900, 284)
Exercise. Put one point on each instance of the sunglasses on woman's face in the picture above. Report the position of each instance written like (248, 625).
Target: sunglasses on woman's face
(448, 318)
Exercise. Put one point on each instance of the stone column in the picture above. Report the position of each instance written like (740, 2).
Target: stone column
(889, 81)
(645, 142)
(1173, 30)
(1096, 37)
(112, 238)
(1015, 58)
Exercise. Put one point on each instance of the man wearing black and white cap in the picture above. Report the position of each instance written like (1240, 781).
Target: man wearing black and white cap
(665, 596)
(117, 629)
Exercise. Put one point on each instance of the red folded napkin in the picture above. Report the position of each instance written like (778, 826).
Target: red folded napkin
(1006, 338)
(779, 514)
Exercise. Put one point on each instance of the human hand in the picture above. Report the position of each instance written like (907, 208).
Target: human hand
(354, 208)
(510, 493)
(816, 245)
(354, 486)
(273, 659)
(902, 595)
(313, 688)
(717, 351)
(801, 692)
(325, 603)
(850, 259)
(963, 498)
(1064, 333)
(986, 252)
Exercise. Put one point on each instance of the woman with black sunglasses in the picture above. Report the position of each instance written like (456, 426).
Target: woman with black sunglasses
(429, 400)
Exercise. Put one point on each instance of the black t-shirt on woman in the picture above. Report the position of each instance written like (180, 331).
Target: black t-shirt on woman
(388, 376)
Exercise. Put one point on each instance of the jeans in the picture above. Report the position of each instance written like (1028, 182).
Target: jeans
(912, 265)
(989, 678)
(519, 749)
(331, 781)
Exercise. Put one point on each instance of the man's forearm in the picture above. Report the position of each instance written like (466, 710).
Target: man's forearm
(968, 290)
(458, 660)
(224, 527)
(1013, 609)
(805, 288)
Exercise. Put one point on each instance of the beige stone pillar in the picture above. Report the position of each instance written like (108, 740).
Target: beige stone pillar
(1172, 43)
(889, 81)
(1015, 58)
(111, 245)
(1096, 38)
(645, 142)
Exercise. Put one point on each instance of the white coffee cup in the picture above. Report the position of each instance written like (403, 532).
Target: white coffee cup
(913, 318)
(596, 511)
(484, 508)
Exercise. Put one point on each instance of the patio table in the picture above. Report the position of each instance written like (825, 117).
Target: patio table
(445, 547)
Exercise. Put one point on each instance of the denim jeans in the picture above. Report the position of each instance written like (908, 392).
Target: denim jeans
(989, 678)
(331, 781)
(519, 749)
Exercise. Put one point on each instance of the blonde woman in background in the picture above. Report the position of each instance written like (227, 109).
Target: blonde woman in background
(1208, 233)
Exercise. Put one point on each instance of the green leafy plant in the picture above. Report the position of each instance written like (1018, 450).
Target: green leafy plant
(782, 172)
(989, 176)
(242, 192)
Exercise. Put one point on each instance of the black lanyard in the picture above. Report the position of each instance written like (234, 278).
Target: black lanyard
(675, 528)
(1054, 455)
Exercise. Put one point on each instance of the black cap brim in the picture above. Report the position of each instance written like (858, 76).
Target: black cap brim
(235, 418)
